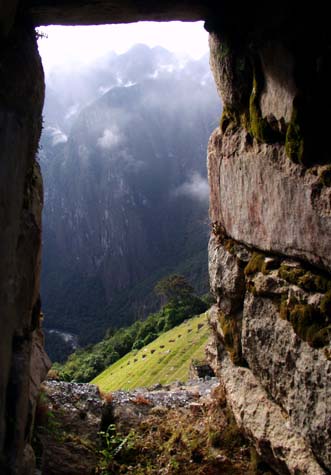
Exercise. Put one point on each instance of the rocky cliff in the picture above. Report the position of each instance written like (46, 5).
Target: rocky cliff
(270, 204)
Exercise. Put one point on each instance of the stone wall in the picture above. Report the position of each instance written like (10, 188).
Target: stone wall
(21, 100)
(269, 253)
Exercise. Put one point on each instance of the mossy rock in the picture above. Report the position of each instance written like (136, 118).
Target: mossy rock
(233, 119)
(291, 274)
(261, 128)
(232, 338)
(229, 120)
(309, 323)
(256, 264)
(305, 279)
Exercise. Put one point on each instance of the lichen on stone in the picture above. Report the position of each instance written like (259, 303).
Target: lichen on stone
(310, 322)
(310, 316)
(306, 279)
(256, 264)
(232, 338)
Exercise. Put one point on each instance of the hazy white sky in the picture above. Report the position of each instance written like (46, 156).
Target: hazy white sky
(83, 44)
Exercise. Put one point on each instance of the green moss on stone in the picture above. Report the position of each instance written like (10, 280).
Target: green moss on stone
(314, 283)
(259, 126)
(291, 274)
(302, 318)
(256, 264)
(232, 335)
(305, 279)
(229, 119)
(233, 119)
(310, 323)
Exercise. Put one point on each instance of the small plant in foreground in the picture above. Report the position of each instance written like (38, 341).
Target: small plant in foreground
(114, 443)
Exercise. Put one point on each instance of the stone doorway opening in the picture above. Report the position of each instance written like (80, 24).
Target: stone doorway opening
(119, 141)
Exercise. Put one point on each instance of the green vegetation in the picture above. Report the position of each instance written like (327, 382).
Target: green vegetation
(305, 278)
(165, 360)
(232, 332)
(310, 321)
(85, 364)
(201, 439)
(113, 444)
(255, 264)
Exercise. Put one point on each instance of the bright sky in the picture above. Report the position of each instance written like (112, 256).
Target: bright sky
(83, 44)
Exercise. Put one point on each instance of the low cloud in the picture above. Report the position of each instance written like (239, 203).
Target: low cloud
(109, 139)
(57, 136)
(196, 187)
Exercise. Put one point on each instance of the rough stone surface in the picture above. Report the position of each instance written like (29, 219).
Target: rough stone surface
(276, 438)
(297, 376)
(39, 366)
(45, 12)
(21, 99)
(226, 276)
(232, 70)
(268, 202)
(279, 87)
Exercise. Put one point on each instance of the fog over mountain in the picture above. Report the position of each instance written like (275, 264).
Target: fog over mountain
(123, 156)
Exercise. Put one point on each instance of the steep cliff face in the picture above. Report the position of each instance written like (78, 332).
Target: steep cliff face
(269, 253)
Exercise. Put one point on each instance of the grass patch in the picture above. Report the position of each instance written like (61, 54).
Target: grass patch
(169, 362)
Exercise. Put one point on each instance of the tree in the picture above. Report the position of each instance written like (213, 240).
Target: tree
(174, 288)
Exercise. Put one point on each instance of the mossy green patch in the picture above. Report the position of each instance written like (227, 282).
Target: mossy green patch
(305, 279)
(310, 323)
(256, 264)
(229, 119)
(263, 130)
(232, 338)
(234, 118)
(166, 359)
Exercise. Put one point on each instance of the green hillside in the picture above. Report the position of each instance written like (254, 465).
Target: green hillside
(165, 360)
